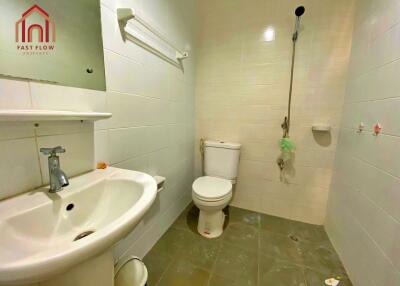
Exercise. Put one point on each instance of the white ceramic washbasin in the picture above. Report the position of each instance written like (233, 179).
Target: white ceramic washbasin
(37, 232)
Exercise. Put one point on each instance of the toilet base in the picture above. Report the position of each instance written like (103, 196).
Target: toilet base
(211, 224)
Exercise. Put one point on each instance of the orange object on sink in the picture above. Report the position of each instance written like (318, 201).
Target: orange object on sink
(102, 165)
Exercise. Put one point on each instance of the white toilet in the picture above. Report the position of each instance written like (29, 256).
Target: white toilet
(212, 193)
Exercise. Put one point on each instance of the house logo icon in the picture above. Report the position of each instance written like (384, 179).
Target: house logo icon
(26, 30)
(35, 32)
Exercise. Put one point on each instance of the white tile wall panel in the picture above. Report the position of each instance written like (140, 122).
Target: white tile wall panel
(14, 94)
(363, 220)
(19, 166)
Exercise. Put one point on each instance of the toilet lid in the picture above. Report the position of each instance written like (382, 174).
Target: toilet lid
(211, 188)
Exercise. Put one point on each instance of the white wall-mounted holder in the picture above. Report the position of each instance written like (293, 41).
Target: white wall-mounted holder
(160, 183)
(361, 127)
(321, 128)
(50, 115)
(126, 14)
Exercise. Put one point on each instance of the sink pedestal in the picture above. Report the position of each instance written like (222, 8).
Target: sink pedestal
(97, 271)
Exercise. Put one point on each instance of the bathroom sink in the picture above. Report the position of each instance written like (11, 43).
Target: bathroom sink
(45, 234)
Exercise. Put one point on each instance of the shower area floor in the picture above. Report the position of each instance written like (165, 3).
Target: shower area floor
(255, 249)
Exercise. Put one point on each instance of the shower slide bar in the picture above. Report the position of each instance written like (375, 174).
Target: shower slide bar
(126, 14)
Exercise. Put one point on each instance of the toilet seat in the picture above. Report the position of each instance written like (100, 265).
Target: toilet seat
(211, 189)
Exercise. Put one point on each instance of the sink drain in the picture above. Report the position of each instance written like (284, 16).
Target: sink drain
(83, 234)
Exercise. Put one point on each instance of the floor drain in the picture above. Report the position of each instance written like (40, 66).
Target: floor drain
(83, 234)
(293, 237)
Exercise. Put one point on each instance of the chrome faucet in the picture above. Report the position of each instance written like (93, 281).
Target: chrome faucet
(58, 179)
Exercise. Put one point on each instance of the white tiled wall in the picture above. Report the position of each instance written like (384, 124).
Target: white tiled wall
(363, 217)
(152, 127)
(242, 86)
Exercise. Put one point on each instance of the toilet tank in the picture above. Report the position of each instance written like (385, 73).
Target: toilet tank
(221, 159)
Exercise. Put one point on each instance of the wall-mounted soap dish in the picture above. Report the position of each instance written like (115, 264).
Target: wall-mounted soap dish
(321, 128)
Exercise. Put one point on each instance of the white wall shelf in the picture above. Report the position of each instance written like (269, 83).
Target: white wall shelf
(50, 115)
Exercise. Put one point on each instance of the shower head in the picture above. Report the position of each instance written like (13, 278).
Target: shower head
(300, 11)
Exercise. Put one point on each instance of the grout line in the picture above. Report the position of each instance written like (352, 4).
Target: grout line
(373, 166)
(213, 267)
(371, 133)
(373, 69)
(367, 197)
(38, 156)
(303, 165)
(148, 153)
(16, 138)
(176, 256)
(165, 271)
(303, 271)
(360, 225)
(372, 100)
(145, 96)
(30, 93)
(144, 125)
(105, 5)
(64, 134)
(125, 57)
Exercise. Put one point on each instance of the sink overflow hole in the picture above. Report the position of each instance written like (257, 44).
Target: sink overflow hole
(83, 234)
(293, 237)
(69, 207)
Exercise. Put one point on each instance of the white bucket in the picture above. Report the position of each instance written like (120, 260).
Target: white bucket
(130, 272)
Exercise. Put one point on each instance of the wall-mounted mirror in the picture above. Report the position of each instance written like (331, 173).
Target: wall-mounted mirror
(55, 41)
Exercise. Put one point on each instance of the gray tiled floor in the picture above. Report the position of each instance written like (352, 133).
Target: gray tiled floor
(254, 250)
